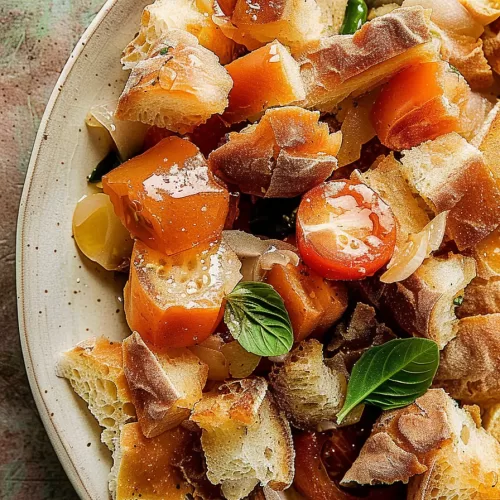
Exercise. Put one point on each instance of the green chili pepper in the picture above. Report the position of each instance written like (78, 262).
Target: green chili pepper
(355, 16)
(111, 161)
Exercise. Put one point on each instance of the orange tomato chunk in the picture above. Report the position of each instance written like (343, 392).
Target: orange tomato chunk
(313, 303)
(168, 198)
(419, 104)
(176, 301)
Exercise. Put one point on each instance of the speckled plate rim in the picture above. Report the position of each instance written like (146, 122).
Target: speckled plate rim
(54, 436)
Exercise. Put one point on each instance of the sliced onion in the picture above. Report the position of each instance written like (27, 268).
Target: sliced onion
(99, 233)
(241, 362)
(258, 256)
(210, 353)
(127, 136)
(418, 247)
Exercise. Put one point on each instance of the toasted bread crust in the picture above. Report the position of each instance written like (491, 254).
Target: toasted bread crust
(480, 297)
(471, 362)
(343, 64)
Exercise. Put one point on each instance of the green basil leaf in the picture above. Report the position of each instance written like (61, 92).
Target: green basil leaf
(392, 375)
(256, 317)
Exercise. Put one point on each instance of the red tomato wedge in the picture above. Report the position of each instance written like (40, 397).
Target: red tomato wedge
(344, 230)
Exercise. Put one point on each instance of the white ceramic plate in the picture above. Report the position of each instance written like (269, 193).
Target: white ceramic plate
(62, 297)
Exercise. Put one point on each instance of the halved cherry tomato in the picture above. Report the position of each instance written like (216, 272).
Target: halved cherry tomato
(344, 230)
(176, 301)
(168, 197)
(312, 302)
(419, 104)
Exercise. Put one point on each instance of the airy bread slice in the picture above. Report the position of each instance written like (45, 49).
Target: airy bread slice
(386, 180)
(142, 467)
(245, 438)
(470, 363)
(189, 15)
(423, 304)
(179, 86)
(94, 368)
(451, 174)
(164, 387)
(306, 389)
(353, 64)
(436, 446)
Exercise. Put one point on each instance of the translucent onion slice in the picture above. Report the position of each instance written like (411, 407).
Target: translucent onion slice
(99, 234)
(258, 256)
(419, 246)
(241, 363)
(210, 353)
(127, 137)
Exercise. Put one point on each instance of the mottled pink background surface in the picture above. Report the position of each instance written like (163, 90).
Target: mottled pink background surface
(36, 38)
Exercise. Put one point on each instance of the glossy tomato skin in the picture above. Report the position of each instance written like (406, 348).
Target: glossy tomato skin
(344, 230)
(168, 198)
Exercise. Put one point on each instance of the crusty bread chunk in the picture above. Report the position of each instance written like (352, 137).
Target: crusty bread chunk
(245, 438)
(179, 86)
(308, 391)
(491, 45)
(262, 79)
(294, 23)
(189, 15)
(470, 363)
(164, 387)
(480, 297)
(423, 304)
(451, 174)
(484, 11)
(142, 467)
(436, 446)
(284, 155)
(94, 368)
(491, 420)
(386, 179)
(487, 140)
(342, 65)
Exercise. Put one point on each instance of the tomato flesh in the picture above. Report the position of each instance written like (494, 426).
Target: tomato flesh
(344, 230)
(168, 198)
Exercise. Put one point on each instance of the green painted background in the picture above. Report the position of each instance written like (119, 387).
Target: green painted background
(36, 38)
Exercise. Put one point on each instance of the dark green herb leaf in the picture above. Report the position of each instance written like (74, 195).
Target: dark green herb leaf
(392, 375)
(111, 161)
(164, 51)
(458, 301)
(256, 317)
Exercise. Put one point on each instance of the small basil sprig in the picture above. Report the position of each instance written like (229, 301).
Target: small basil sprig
(392, 375)
(256, 317)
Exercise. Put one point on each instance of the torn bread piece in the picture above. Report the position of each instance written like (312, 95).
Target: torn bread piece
(189, 15)
(434, 445)
(245, 438)
(294, 23)
(342, 65)
(470, 363)
(491, 420)
(480, 297)
(484, 11)
(143, 468)
(164, 386)
(487, 140)
(491, 45)
(285, 154)
(451, 174)
(179, 86)
(94, 368)
(423, 304)
(306, 389)
(386, 179)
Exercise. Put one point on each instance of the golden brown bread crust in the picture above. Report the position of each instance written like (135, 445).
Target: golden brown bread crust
(423, 303)
(470, 363)
(162, 400)
(404, 442)
(143, 467)
(480, 297)
(491, 45)
(178, 86)
(284, 155)
(484, 11)
(353, 64)
(451, 174)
